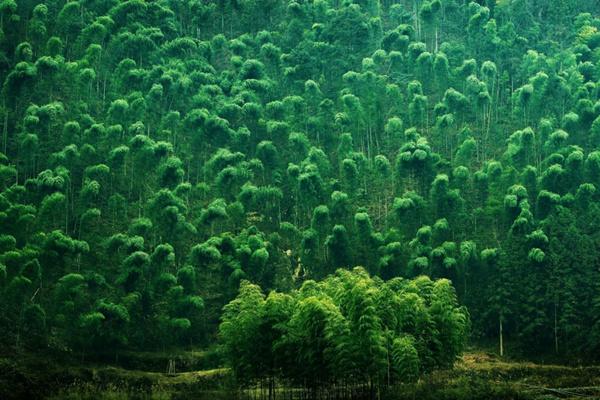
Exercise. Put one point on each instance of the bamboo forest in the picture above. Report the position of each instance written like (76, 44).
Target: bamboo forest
(300, 199)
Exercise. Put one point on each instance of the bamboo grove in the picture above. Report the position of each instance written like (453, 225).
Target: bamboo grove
(346, 336)
(159, 158)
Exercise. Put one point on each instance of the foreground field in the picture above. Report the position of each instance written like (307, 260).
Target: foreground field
(477, 375)
(481, 376)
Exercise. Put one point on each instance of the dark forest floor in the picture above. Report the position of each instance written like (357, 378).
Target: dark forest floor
(477, 375)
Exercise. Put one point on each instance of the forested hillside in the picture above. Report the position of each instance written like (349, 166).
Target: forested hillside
(156, 155)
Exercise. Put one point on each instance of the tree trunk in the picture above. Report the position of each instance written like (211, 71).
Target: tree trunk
(501, 338)
(555, 329)
(5, 130)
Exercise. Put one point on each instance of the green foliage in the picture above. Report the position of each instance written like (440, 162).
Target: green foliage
(154, 155)
(345, 328)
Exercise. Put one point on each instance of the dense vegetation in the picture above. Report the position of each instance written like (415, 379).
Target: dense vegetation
(347, 330)
(155, 155)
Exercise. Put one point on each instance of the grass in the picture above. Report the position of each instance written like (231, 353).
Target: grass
(157, 361)
(44, 376)
(477, 375)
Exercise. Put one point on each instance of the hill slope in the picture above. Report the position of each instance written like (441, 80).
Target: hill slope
(157, 153)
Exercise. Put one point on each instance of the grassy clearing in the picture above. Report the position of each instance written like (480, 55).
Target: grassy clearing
(480, 375)
(39, 377)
